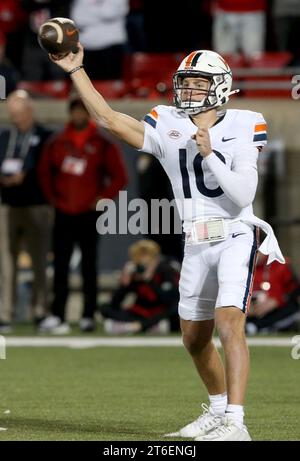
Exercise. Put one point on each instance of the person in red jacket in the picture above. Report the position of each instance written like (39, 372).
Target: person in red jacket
(274, 305)
(13, 21)
(79, 166)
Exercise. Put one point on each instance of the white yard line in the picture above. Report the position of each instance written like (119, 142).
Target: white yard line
(85, 343)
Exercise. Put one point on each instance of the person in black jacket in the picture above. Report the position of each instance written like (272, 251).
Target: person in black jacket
(25, 216)
(9, 76)
(153, 280)
(36, 65)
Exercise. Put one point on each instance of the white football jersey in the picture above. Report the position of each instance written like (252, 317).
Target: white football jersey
(198, 195)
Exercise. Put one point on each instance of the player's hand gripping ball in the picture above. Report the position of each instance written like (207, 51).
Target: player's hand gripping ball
(59, 37)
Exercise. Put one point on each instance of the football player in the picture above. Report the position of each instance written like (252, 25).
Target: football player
(210, 157)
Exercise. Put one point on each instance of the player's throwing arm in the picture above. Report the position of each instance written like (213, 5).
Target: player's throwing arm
(121, 125)
(59, 37)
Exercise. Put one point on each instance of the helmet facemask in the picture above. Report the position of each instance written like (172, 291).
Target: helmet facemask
(215, 96)
(208, 65)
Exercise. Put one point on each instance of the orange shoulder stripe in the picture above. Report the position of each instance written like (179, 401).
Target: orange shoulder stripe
(260, 127)
(154, 114)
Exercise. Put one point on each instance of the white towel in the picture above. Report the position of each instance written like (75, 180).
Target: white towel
(270, 245)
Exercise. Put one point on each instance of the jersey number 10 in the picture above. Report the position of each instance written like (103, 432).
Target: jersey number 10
(199, 175)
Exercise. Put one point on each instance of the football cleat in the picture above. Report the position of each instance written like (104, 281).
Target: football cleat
(50, 322)
(54, 326)
(87, 324)
(208, 421)
(228, 431)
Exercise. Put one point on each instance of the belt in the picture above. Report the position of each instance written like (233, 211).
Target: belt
(209, 230)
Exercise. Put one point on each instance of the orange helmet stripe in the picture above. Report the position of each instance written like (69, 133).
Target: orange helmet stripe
(189, 59)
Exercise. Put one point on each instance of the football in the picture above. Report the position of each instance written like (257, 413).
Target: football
(59, 36)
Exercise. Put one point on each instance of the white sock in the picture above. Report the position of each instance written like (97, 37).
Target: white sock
(237, 413)
(218, 403)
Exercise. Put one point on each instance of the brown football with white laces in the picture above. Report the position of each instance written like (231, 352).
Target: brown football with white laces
(59, 37)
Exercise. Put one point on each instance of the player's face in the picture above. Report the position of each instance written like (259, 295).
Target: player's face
(194, 88)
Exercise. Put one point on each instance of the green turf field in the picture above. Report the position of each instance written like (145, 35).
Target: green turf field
(140, 393)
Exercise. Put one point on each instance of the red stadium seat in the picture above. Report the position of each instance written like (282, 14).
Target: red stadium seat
(153, 65)
(234, 60)
(51, 89)
(150, 74)
(269, 91)
(270, 59)
(111, 89)
(273, 85)
(151, 88)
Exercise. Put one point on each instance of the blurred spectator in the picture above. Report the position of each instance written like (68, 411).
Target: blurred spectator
(6, 295)
(78, 167)
(25, 218)
(239, 26)
(274, 304)
(12, 23)
(11, 16)
(7, 70)
(153, 281)
(36, 63)
(136, 26)
(286, 16)
(102, 26)
(177, 28)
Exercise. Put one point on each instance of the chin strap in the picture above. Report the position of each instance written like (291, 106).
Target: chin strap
(234, 92)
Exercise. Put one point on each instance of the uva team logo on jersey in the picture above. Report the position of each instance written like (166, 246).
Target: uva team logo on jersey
(174, 134)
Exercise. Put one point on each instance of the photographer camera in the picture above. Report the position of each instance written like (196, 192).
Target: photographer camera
(147, 297)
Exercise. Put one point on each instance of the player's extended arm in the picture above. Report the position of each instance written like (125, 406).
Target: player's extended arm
(240, 183)
(121, 125)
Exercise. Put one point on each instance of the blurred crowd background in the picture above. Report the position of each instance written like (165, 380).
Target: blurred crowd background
(112, 30)
(56, 163)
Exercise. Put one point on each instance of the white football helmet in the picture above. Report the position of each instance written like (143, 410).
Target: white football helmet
(211, 66)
